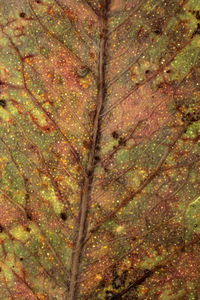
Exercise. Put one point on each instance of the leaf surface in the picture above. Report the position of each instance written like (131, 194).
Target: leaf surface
(99, 143)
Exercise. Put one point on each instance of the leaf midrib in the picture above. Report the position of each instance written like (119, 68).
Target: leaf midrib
(88, 178)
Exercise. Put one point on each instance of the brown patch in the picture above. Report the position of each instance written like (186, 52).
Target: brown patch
(71, 15)
(9, 214)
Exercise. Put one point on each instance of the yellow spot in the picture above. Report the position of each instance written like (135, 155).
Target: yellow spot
(48, 193)
(19, 233)
(119, 229)
(144, 290)
(85, 82)
(4, 114)
(41, 297)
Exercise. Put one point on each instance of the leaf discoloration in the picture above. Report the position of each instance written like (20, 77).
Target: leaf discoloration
(99, 149)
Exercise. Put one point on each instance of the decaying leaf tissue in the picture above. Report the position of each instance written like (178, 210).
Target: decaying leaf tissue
(99, 149)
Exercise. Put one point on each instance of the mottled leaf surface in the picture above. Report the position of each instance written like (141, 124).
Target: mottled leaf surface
(99, 149)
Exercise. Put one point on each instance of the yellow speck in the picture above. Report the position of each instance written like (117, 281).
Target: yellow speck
(119, 229)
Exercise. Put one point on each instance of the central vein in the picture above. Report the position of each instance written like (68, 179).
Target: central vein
(85, 197)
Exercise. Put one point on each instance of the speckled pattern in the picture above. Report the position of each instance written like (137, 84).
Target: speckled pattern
(99, 149)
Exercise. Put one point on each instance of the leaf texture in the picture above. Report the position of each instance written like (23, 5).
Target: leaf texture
(99, 143)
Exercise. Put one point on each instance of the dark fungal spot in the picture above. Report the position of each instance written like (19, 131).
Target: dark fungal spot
(28, 229)
(66, 282)
(105, 169)
(122, 142)
(22, 15)
(124, 276)
(183, 248)
(63, 216)
(47, 129)
(87, 144)
(191, 117)
(198, 15)
(197, 31)
(82, 72)
(116, 283)
(115, 135)
(196, 116)
(111, 295)
(38, 1)
(1, 228)
(27, 196)
(21, 258)
(147, 71)
(25, 180)
(2, 103)
(168, 71)
(97, 158)
(157, 31)
(90, 173)
(29, 216)
(146, 272)
(185, 117)
(185, 130)
(102, 284)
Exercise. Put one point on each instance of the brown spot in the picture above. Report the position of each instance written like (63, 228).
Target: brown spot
(26, 180)
(197, 31)
(122, 142)
(29, 217)
(63, 216)
(1, 228)
(2, 103)
(198, 15)
(98, 147)
(27, 196)
(105, 169)
(157, 31)
(87, 144)
(47, 128)
(115, 135)
(90, 173)
(92, 55)
(70, 15)
(22, 15)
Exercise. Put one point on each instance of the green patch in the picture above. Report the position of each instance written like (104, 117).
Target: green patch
(168, 294)
(122, 156)
(192, 218)
(45, 52)
(19, 233)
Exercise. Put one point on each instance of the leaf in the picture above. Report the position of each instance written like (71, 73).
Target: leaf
(99, 143)
(192, 217)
